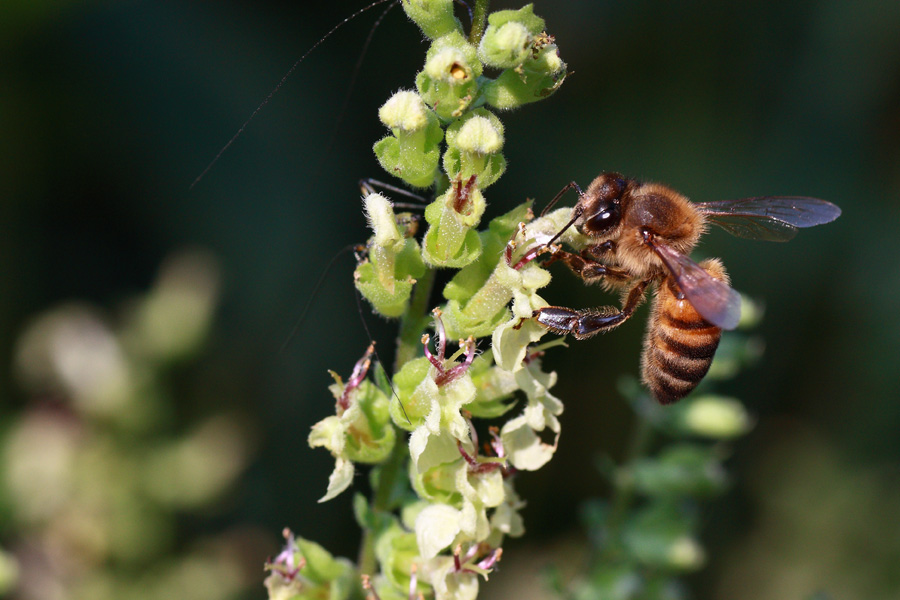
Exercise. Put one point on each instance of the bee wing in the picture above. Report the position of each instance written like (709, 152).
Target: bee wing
(715, 300)
(769, 218)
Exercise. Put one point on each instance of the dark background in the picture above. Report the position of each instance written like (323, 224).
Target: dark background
(110, 109)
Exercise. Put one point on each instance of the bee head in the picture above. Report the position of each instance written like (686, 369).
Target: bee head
(600, 206)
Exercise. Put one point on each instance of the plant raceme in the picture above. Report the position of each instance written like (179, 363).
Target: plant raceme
(443, 503)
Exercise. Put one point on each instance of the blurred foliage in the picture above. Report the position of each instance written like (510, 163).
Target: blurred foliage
(647, 534)
(109, 110)
(97, 471)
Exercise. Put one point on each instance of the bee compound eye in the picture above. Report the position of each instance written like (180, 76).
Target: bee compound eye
(603, 220)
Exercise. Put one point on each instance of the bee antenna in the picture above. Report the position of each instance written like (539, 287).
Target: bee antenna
(559, 195)
(279, 85)
(576, 212)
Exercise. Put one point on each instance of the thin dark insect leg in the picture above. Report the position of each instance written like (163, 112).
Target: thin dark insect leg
(368, 186)
(312, 296)
(468, 9)
(279, 85)
(589, 270)
(365, 325)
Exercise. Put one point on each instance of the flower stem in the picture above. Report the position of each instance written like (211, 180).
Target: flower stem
(387, 481)
(479, 17)
(414, 321)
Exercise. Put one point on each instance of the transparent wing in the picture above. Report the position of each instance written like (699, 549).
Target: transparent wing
(769, 218)
(713, 299)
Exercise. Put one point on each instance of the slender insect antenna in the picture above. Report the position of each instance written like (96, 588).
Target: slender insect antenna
(559, 195)
(280, 84)
(353, 77)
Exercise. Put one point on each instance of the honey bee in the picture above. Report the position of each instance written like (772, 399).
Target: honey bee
(641, 235)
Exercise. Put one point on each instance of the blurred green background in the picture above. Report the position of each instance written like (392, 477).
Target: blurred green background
(109, 110)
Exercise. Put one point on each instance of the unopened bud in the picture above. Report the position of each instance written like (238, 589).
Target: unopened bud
(505, 46)
(404, 110)
(479, 135)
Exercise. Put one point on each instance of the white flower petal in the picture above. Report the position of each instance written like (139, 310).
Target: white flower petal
(436, 528)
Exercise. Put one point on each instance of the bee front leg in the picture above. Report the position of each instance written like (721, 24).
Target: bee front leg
(587, 322)
(591, 271)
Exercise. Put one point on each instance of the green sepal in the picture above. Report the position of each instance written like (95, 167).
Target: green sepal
(386, 303)
(411, 156)
(397, 551)
(524, 15)
(371, 438)
(536, 79)
(680, 470)
(387, 279)
(321, 567)
(406, 380)
(451, 240)
(469, 280)
(478, 295)
(438, 484)
(434, 17)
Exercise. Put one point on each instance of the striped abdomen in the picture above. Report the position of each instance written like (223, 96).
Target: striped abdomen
(680, 344)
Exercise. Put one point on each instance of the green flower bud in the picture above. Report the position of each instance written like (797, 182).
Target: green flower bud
(473, 146)
(394, 261)
(513, 89)
(434, 17)
(506, 46)
(404, 110)
(449, 81)
(413, 152)
(681, 470)
(479, 135)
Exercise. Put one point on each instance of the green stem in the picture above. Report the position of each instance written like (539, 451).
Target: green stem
(479, 18)
(390, 470)
(412, 324)
(414, 320)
